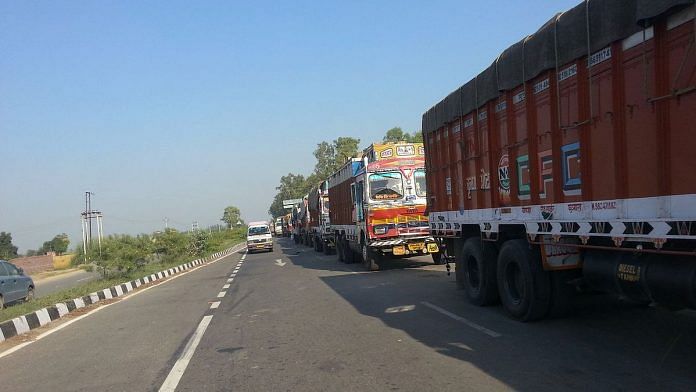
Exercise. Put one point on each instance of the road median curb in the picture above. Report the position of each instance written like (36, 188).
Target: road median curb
(25, 323)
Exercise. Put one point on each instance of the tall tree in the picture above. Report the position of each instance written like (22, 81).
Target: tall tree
(58, 244)
(231, 216)
(330, 156)
(7, 249)
(345, 147)
(292, 186)
(396, 134)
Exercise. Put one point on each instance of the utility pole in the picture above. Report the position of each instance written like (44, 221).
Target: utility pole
(166, 223)
(87, 217)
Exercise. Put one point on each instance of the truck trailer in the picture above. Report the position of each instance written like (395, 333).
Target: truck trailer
(378, 203)
(568, 164)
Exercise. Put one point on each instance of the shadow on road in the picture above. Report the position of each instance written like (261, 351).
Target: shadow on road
(307, 257)
(605, 344)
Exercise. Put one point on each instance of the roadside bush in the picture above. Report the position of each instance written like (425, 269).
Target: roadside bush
(123, 254)
(198, 243)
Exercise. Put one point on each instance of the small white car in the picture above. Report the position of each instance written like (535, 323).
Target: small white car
(259, 237)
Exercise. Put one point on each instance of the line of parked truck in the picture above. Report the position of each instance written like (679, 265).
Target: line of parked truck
(376, 211)
(566, 166)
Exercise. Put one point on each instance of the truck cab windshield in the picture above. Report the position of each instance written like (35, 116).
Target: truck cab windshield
(386, 186)
(419, 179)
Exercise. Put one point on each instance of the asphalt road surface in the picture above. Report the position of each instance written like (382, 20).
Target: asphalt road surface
(295, 320)
(52, 284)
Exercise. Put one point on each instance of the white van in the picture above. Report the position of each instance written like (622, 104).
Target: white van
(259, 237)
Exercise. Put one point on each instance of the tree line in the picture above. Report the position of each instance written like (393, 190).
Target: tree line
(329, 157)
(59, 245)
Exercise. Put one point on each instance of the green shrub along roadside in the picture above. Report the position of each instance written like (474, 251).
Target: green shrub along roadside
(126, 258)
(120, 255)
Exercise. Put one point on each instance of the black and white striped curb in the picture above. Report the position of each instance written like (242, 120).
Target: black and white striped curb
(23, 324)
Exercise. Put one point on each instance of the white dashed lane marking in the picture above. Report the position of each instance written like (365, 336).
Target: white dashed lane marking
(214, 305)
(227, 286)
(181, 364)
(462, 320)
(221, 294)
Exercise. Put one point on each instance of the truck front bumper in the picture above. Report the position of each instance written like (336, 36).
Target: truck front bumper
(407, 246)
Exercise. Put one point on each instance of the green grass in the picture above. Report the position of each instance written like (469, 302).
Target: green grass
(22, 308)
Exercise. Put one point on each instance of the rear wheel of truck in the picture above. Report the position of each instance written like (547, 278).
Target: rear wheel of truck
(524, 287)
(348, 252)
(475, 269)
(325, 247)
(562, 292)
(339, 250)
(437, 258)
(369, 258)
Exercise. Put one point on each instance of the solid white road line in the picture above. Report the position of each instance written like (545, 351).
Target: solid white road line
(214, 305)
(227, 286)
(221, 294)
(181, 364)
(87, 278)
(462, 320)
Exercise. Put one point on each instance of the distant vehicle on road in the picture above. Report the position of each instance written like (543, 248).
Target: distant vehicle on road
(14, 285)
(319, 233)
(278, 226)
(259, 237)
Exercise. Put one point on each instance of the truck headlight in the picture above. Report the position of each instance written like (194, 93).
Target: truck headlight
(381, 229)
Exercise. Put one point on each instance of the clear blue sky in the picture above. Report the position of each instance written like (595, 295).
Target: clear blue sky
(178, 109)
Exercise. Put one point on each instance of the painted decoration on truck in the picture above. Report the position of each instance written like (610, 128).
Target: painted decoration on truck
(523, 180)
(405, 150)
(545, 173)
(571, 169)
(378, 152)
(504, 178)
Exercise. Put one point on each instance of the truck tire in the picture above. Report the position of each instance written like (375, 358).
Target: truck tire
(348, 252)
(369, 258)
(437, 258)
(524, 287)
(318, 244)
(340, 256)
(562, 293)
(325, 247)
(475, 271)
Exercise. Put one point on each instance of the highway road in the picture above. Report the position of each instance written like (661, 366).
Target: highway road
(295, 320)
(51, 284)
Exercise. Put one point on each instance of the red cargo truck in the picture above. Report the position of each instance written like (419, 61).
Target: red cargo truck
(569, 162)
(378, 205)
(321, 235)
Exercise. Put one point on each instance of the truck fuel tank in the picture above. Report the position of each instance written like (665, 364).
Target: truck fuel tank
(668, 280)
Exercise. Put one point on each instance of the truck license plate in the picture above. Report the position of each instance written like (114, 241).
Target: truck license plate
(399, 250)
(416, 247)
